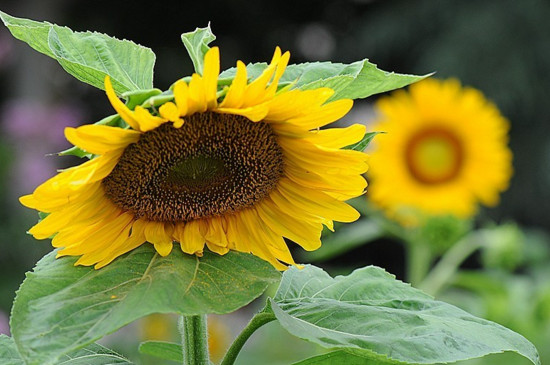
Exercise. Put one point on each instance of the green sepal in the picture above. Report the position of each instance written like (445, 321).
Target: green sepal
(138, 97)
(196, 43)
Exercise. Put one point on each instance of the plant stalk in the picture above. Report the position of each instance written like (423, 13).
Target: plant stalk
(194, 340)
(256, 322)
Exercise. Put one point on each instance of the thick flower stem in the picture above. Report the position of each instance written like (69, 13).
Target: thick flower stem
(194, 340)
(256, 322)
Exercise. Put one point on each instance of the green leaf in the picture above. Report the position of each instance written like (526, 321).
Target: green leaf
(346, 238)
(8, 352)
(162, 350)
(363, 143)
(357, 80)
(196, 43)
(385, 319)
(339, 358)
(88, 56)
(94, 354)
(60, 308)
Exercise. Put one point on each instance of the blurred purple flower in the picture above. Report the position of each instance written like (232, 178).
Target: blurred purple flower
(4, 324)
(26, 120)
(31, 170)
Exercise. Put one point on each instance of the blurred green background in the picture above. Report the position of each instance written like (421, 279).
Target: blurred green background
(500, 47)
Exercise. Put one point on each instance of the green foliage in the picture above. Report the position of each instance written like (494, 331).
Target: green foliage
(93, 354)
(196, 43)
(339, 358)
(363, 143)
(384, 319)
(346, 238)
(163, 350)
(357, 80)
(88, 56)
(60, 308)
(503, 247)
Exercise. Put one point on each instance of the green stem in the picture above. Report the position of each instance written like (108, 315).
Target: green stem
(419, 257)
(194, 337)
(256, 322)
(446, 268)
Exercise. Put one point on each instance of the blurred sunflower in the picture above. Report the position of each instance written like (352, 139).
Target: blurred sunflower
(445, 151)
(235, 169)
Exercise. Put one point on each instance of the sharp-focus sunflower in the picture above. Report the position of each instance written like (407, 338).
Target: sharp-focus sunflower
(236, 169)
(445, 150)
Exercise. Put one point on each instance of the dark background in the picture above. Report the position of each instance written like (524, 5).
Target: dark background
(501, 47)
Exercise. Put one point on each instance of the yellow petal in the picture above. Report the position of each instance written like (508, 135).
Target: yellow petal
(191, 236)
(100, 139)
(160, 235)
(147, 121)
(210, 75)
(326, 114)
(171, 112)
(197, 100)
(181, 96)
(337, 137)
(234, 96)
(125, 113)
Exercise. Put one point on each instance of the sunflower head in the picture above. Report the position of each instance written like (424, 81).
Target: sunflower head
(445, 152)
(236, 168)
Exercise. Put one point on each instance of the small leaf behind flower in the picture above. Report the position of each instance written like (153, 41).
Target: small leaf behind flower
(88, 56)
(363, 143)
(378, 317)
(357, 80)
(61, 308)
(196, 43)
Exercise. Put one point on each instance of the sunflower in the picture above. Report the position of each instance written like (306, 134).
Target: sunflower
(445, 151)
(239, 168)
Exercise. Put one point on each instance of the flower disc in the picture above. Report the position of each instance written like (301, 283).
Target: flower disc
(213, 164)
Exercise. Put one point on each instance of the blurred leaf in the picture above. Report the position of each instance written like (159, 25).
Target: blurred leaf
(196, 43)
(364, 143)
(382, 318)
(162, 350)
(88, 56)
(8, 352)
(94, 354)
(339, 358)
(60, 308)
(345, 239)
(357, 80)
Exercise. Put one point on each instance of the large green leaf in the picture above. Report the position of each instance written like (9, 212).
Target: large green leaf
(93, 354)
(357, 80)
(88, 56)
(196, 43)
(382, 318)
(60, 308)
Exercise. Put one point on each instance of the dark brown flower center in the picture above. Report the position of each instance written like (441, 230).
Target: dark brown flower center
(434, 156)
(214, 164)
